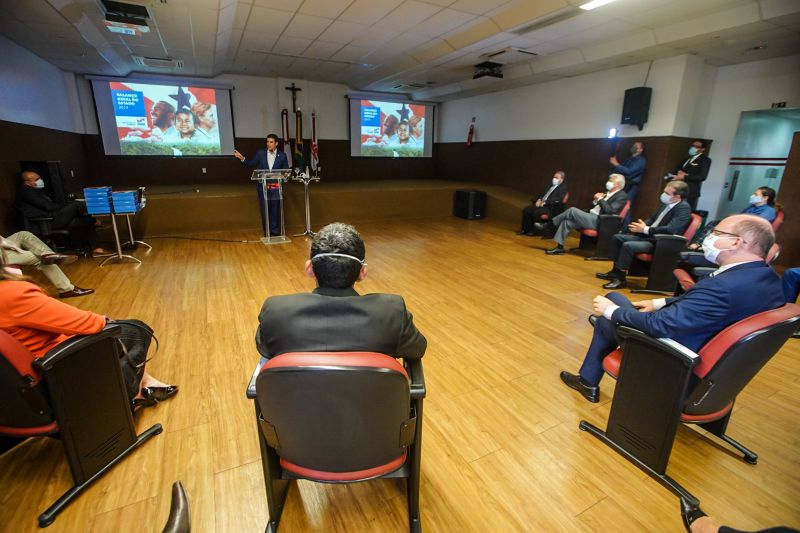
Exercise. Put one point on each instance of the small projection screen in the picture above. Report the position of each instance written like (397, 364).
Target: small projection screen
(162, 118)
(394, 128)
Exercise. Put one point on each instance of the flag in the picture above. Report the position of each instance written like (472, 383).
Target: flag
(314, 146)
(287, 146)
(471, 133)
(300, 161)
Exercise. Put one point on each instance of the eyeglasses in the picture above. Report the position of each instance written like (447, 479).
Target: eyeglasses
(719, 233)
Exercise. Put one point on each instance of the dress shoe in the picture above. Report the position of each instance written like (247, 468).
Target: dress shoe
(575, 382)
(138, 403)
(159, 394)
(558, 250)
(689, 513)
(606, 275)
(104, 253)
(616, 284)
(57, 259)
(541, 226)
(77, 291)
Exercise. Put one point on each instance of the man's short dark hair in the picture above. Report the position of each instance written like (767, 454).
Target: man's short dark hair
(337, 272)
(701, 142)
(681, 188)
(273, 137)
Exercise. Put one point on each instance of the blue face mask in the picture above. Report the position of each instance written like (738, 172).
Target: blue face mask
(755, 199)
(692, 151)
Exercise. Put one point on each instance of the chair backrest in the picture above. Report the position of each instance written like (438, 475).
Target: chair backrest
(778, 222)
(24, 408)
(335, 416)
(691, 229)
(566, 198)
(625, 209)
(735, 355)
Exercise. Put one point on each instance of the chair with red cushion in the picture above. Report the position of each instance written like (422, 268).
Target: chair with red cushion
(687, 277)
(560, 210)
(600, 238)
(338, 417)
(662, 384)
(77, 393)
(778, 222)
(659, 264)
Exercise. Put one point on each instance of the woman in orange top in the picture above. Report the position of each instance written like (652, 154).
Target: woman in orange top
(40, 322)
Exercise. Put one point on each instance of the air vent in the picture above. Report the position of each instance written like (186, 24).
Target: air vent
(158, 62)
(559, 16)
(414, 85)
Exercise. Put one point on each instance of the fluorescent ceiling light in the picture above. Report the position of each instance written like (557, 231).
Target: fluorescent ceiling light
(588, 6)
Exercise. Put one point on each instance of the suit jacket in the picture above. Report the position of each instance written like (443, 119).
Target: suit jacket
(674, 222)
(35, 203)
(632, 168)
(614, 204)
(711, 305)
(337, 320)
(696, 169)
(556, 197)
(260, 161)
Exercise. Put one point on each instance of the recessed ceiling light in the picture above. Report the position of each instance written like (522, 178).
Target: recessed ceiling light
(588, 6)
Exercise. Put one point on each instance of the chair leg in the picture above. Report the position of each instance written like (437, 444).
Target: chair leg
(275, 487)
(718, 428)
(49, 516)
(664, 479)
(412, 486)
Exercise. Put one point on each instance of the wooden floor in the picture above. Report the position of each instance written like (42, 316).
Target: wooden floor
(501, 450)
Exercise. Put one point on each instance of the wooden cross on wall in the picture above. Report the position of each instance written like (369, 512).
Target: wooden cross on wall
(294, 90)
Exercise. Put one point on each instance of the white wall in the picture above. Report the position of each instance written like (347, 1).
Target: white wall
(581, 107)
(35, 92)
(737, 88)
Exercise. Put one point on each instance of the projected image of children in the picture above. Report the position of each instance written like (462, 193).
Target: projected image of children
(390, 129)
(165, 119)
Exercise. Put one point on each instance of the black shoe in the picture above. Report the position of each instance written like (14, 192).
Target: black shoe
(610, 275)
(521, 232)
(541, 226)
(617, 283)
(138, 403)
(558, 250)
(572, 381)
(689, 513)
(159, 394)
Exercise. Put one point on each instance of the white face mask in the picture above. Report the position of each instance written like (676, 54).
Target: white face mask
(609, 185)
(556, 181)
(710, 252)
(39, 184)
(665, 198)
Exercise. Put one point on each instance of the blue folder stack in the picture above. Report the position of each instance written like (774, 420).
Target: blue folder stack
(125, 201)
(98, 200)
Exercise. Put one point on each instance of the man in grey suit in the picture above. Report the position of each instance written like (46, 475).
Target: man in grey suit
(610, 202)
(334, 317)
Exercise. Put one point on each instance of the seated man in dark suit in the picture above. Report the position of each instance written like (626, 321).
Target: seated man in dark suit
(671, 218)
(34, 202)
(610, 202)
(334, 317)
(551, 203)
(743, 286)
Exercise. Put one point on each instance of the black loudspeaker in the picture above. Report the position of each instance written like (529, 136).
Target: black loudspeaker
(636, 107)
(469, 204)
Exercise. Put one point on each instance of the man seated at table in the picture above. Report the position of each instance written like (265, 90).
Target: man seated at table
(334, 317)
(33, 201)
(743, 285)
(610, 202)
(551, 203)
(671, 218)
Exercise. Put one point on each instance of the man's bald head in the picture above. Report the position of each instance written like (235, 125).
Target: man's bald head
(755, 233)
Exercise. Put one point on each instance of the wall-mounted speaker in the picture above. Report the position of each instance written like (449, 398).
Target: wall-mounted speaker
(636, 107)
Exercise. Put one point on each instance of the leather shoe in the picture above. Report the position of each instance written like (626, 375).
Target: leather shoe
(555, 251)
(541, 226)
(575, 382)
(606, 275)
(159, 394)
(689, 513)
(616, 284)
(57, 259)
(77, 291)
(138, 403)
(104, 253)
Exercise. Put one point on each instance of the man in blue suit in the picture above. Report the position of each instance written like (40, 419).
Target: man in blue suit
(269, 159)
(743, 286)
(633, 169)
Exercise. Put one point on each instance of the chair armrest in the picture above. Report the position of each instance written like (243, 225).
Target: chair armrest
(702, 272)
(609, 223)
(417, 377)
(76, 343)
(251, 385)
(668, 346)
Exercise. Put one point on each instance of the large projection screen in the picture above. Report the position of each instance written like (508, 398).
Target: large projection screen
(163, 118)
(390, 128)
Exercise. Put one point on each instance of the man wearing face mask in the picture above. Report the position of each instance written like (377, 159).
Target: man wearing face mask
(269, 159)
(693, 171)
(671, 218)
(633, 169)
(743, 286)
(33, 201)
(551, 203)
(610, 202)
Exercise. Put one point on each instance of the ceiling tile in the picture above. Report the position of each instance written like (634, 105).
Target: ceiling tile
(307, 26)
(443, 22)
(324, 8)
(322, 50)
(253, 40)
(350, 54)
(602, 32)
(408, 16)
(342, 32)
(286, 5)
(478, 7)
(291, 45)
(369, 11)
(268, 20)
(374, 37)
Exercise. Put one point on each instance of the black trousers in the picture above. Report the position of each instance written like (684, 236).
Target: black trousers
(624, 246)
(73, 217)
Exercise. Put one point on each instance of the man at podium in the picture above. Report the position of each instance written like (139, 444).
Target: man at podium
(269, 159)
